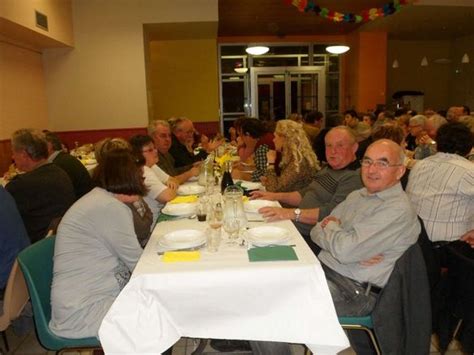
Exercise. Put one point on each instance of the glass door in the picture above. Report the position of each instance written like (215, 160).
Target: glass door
(277, 92)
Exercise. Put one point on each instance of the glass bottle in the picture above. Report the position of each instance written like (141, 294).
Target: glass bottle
(226, 177)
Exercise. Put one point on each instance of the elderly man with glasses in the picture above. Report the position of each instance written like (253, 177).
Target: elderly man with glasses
(366, 234)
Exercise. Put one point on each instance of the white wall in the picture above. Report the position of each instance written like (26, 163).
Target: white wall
(101, 82)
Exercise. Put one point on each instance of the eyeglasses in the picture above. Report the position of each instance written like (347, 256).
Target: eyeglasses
(380, 164)
(149, 150)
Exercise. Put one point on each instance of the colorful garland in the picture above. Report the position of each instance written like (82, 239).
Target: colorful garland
(366, 15)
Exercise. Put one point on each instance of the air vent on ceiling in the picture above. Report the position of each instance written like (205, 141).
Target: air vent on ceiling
(41, 20)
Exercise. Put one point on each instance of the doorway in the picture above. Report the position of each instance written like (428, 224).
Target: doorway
(277, 92)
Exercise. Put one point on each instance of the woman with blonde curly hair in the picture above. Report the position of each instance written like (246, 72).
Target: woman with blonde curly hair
(298, 163)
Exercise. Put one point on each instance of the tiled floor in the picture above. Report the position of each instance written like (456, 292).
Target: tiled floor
(28, 345)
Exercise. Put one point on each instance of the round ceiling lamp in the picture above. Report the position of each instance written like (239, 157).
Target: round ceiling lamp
(337, 49)
(257, 50)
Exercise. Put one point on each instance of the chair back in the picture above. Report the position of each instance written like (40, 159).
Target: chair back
(15, 298)
(36, 262)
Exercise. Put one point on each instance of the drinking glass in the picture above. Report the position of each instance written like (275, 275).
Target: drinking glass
(215, 216)
(213, 240)
(231, 227)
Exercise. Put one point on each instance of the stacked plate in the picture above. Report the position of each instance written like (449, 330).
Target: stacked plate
(190, 189)
(180, 209)
(268, 235)
(182, 239)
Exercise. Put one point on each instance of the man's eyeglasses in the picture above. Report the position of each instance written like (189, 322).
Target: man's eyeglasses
(381, 164)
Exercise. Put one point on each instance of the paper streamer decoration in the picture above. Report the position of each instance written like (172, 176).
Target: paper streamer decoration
(364, 16)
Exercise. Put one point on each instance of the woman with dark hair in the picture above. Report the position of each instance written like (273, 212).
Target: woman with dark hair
(161, 186)
(96, 246)
(257, 140)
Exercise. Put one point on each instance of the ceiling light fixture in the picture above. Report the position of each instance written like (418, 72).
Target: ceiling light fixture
(395, 64)
(257, 50)
(424, 62)
(337, 49)
(465, 59)
(241, 70)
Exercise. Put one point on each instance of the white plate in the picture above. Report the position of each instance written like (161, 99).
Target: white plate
(268, 235)
(182, 239)
(180, 209)
(190, 189)
(253, 206)
(193, 178)
(250, 185)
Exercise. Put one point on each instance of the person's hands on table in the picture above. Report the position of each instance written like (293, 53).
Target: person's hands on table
(262, 195)
(276, 213)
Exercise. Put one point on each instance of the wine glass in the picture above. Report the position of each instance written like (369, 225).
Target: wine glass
(231, 227)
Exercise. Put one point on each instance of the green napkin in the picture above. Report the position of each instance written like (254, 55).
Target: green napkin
(272, 253)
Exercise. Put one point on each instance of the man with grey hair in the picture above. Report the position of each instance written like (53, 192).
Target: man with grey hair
(330, 186)
(416, 127)
(427, 141)
(43, 192)
(160, 131)
(364, 236)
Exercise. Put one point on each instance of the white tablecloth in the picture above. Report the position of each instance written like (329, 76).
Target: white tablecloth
(223, 295)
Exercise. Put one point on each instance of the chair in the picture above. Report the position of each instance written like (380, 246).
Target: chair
(14, 300)
(36, 262)
(359, 323)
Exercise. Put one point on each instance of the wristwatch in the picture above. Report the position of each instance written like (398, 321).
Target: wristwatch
(297, 213)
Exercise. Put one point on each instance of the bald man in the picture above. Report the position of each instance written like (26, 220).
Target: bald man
(377, 220)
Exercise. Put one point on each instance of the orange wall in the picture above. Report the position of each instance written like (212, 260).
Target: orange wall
(366, 74)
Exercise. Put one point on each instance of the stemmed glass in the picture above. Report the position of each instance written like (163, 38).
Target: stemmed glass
(232, 227)
(214, 219)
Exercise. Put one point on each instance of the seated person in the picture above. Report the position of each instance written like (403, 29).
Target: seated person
(257, 140)
(160, 131)
(158, 193)
(44, 192)
(330, 186)
(183, 140)
(375, 222)
(312, 124)
(416, 127)
(427, 141)
(13, 236)
(298, 164)
(77, 172)
(441, 190)
(96, 247)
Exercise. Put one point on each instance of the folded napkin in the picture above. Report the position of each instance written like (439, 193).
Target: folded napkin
(184, 199)
(176, 256)
(272, 253)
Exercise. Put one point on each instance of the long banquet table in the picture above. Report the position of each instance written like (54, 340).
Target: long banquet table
(222, 296)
